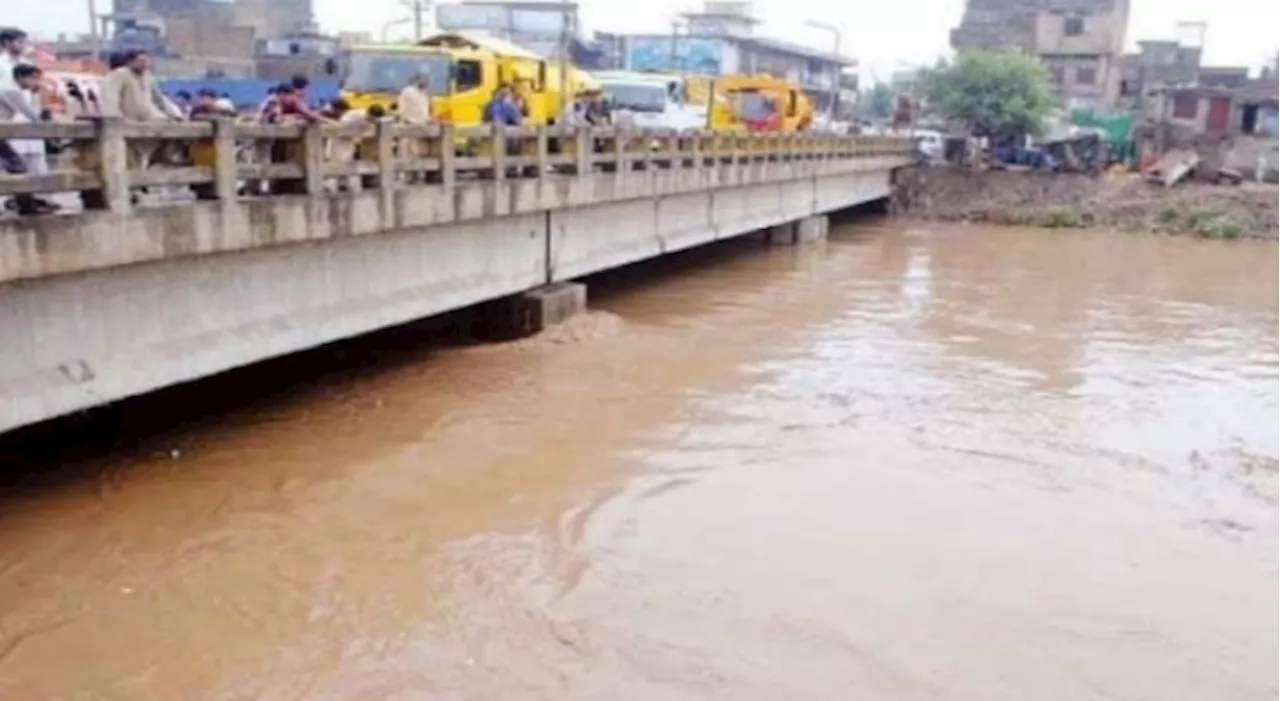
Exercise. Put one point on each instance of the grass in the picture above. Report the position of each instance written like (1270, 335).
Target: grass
(1219, 226)
(1057, 217)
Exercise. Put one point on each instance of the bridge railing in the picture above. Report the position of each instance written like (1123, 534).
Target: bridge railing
(107, 161)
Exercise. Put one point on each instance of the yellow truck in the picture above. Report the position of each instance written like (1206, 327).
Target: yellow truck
(463, 71)
(758, 102)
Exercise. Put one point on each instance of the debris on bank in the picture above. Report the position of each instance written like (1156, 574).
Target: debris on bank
(1114, 201)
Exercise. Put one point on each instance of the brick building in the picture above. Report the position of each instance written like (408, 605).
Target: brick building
(1080, 41)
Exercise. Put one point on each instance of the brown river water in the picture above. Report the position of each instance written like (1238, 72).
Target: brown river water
(915, 462)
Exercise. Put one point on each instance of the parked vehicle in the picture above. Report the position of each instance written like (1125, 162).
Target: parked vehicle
(652, 101)
(761, 102)
(463, 71)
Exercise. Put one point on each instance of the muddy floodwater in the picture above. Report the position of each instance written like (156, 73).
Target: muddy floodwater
(915, 462)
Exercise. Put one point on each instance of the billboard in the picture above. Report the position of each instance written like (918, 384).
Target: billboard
(675, 55)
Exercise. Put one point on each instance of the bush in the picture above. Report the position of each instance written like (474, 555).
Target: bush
(1057, 217)
(1219, 226)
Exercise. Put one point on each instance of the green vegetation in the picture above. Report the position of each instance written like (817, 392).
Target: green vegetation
(1057, 217)
(997, 95)
(1208, 223)
(1219, 226)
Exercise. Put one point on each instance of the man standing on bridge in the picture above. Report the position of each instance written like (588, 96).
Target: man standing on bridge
(14, 103)
(414, 107)
(15, 50)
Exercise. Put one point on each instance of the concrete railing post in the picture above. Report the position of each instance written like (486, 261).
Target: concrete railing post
(113, 165)
(386, 154)
(498, 142)
(226, 181)
(543, 152)
(620, 162)
(448, 152)
(584, 149)
(313, 159)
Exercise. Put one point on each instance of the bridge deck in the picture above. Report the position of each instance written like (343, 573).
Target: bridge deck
(122, 299)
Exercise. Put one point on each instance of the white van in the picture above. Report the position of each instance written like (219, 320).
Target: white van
(651, 101)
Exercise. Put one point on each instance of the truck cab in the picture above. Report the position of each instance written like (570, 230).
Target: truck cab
(652, 101)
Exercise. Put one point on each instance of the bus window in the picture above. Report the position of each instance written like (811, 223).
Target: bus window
(792, 103)
(468, 75)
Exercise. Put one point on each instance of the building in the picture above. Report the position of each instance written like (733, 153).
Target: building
(1164, 64)
(541, 27)
(1080, 41)
(306, 53)
(195, 37)
(1157, 62)
(722, 40)
(273, 18)
(1230, 127)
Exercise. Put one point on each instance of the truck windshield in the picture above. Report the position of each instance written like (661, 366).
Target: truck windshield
(389, 71)
(754, 105)
(637, 98)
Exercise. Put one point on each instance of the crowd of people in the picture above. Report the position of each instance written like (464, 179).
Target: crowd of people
(131, 91)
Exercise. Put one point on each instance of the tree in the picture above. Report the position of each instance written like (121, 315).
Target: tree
(876, 103)
(998, 95)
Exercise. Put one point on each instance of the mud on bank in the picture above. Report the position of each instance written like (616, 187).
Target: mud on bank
(1055, 200)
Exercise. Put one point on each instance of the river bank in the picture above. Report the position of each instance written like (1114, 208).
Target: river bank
(1060, 200)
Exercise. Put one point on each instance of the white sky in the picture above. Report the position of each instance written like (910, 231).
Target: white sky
(894, 34)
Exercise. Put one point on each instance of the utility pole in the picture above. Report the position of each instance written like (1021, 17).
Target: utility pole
(94, 39)
(565, 100)
(835, 93)
(675, 50)
(419, 8)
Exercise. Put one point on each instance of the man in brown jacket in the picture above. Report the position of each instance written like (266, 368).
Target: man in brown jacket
(130, 92)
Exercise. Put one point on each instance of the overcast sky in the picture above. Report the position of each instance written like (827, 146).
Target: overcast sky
(893, 34)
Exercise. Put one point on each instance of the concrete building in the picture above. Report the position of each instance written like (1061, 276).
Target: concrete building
(722, 39)
(1163, 64)
(1232, 127)
(307, 53)
(273, 18)
(199, 37)
(1079, 41)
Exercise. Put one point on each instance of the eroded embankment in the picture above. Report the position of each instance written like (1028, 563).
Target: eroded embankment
(1056, 200)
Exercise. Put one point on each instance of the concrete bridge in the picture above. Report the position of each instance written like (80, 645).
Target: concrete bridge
(124, 298)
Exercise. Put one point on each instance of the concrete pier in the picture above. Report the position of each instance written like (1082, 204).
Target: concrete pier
(800, 231)
(529, 312)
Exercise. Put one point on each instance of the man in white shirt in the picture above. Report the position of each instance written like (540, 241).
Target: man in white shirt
(15, 48)
(14, 105)
(414, 107)
(414, 103)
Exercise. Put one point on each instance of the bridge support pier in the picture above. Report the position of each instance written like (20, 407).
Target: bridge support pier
(529, 312)
(800, 231)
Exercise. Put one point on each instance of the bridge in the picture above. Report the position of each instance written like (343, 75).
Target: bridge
(368, 226)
